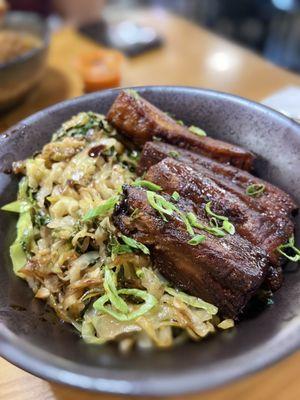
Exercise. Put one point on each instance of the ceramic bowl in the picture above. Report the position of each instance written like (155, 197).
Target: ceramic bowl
(32, 337)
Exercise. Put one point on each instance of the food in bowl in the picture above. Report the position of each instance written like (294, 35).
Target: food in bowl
(139, 230)
(14, 44)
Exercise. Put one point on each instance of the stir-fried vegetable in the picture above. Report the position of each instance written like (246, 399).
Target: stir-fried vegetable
(192, 301)
(72, 256)
(101, 210)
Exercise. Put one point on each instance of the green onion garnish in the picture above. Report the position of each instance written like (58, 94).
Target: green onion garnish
(160, 204)
(227, 226)
(256, 189)
(192, 301)
(111, 290)
(147, 184)
(188, 225)
(149, 302)
(211, 213)
(197, 131)
(290, 245)
(134, 244)
(133, 93)
(102, 209)
(212, 230)
(175, 196)
(197, 239)
(173, 153)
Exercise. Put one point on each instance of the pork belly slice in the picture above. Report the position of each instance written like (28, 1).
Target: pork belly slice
(274, 201)
(224, 271)
(257, 227)
(140, 121)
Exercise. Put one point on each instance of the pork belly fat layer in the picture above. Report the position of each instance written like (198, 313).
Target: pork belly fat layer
(257, 227)
(140, 121)
(224, 271)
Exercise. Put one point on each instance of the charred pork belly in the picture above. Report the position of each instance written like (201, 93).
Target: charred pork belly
(257, 227)
(140, 121)
(274, 201)
(226, 271)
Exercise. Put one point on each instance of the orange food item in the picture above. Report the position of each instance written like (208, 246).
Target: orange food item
(100, 69)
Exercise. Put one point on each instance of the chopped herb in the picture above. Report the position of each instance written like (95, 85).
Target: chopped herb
(147, 184)
(135, 244)
(102, 209)
(179, 122)
(290, 245)
(160, 204)
(109, 285)
(174, 154)
(210, 212)
(117, 248)
(188, 225)
(175, 196)
(228, 227)
(212, 230)
(133, 93)
(256, 189)
(197, 239)
(41, 218)
(149, 302)
(192, 301)
(197, 131)
(81, 124)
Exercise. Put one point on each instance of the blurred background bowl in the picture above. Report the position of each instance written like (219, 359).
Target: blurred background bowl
(20, 74)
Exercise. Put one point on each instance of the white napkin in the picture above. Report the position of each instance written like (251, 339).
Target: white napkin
(287, 101)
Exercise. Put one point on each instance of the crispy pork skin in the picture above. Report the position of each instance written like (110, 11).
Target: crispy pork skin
(225, 271)
(140, 121)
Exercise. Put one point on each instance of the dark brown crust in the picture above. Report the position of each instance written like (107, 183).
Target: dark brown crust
(258, 227)
(274, 201)
(140, 121)
(224, 271)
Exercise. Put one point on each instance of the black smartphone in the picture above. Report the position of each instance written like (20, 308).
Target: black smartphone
(130, 38)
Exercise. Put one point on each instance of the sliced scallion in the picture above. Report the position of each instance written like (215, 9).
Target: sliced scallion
(135, 244)
(147, 184)
(102, 209)
(175, 196)
(256, 189)
(197, 131)
(192, 301)
(290, 245)
(149, 302)
(197, 239)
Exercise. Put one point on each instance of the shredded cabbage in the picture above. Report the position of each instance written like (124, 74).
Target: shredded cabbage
(70, 253)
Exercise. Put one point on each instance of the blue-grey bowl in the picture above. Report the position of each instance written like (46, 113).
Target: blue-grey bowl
(32, 337)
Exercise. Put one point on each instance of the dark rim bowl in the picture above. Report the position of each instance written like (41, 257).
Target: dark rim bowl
(32, 338)
(20, 74)
(26, 21)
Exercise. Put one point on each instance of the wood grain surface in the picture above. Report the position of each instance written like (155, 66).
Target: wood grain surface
(190, 56)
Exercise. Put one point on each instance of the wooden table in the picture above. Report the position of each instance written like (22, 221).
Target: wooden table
(191, 56)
